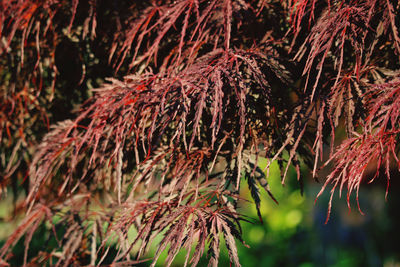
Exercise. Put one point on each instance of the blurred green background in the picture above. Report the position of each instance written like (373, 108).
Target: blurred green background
(294, 232)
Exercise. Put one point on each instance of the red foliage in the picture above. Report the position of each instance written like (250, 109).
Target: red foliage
(208, 88)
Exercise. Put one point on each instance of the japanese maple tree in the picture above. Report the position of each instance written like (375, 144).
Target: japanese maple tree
(144, 116)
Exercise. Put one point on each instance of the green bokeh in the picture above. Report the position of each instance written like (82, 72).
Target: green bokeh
(293, 232)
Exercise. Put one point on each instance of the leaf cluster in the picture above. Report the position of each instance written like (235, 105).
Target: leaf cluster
(201, 91)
